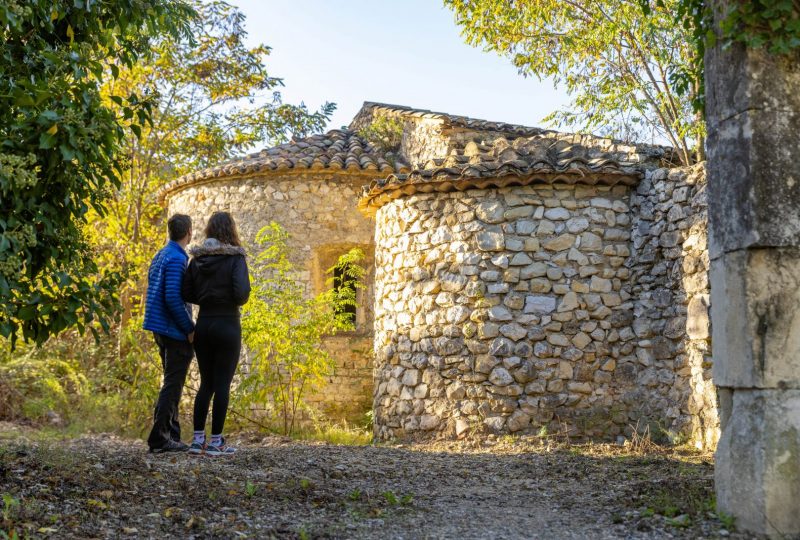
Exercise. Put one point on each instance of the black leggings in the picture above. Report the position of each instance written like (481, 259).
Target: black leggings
(217, 344)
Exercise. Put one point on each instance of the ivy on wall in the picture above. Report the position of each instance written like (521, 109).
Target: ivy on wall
(773, 25)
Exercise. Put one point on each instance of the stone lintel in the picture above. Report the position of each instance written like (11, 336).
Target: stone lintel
(755, 296)
(757, 470)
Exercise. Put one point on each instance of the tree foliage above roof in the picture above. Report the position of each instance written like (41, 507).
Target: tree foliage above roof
(771, 25)
(614, 60)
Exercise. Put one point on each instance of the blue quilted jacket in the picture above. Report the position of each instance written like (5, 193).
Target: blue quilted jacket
(165, 312)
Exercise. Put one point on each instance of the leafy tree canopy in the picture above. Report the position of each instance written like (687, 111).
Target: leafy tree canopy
(772, 25)
(212, 98)
(616, 60)
(60, 144)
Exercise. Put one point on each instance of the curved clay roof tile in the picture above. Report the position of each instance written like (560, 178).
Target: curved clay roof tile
(471, 149)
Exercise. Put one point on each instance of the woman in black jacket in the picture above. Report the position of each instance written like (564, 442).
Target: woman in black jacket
(217, 280)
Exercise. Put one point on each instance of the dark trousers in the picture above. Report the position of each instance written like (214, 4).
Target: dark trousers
(176, 356)
(217, 342)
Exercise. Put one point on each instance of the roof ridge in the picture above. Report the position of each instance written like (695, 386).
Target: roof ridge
(452, 119)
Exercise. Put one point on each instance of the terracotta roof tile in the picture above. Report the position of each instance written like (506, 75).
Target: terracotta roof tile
(483, 154)
(541, 158)
(334, 150)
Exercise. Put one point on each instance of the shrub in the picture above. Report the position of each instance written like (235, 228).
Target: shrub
(283, 328)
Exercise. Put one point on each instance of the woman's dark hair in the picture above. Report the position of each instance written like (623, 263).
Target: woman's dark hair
(222, 227)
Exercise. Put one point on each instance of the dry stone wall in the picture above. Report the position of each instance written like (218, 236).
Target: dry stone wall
(514, 309)
(501, 309)
(669, 272)
(319, 212)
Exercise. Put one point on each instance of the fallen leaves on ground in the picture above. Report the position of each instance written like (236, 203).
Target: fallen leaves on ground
(102, 486)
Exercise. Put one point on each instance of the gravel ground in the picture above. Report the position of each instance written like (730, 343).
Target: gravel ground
(103, 486)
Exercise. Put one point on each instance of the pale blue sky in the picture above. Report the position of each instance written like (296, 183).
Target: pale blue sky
(406, 52)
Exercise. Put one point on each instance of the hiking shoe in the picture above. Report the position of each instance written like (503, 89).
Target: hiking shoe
(197, 449)
(221, 449)
(170, 446)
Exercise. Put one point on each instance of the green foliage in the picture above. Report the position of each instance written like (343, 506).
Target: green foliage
(770, 24)
(212, 98)
(208, 96)
(394, 500)
(10, 504)
(678, 500)
(126, 387)
(384, 132)
(35, 384)
(250, 488)
(11, 507)
(337, 434)
(728, 521)
(283, 328)
(84, 386)
(60, 145)
(614, 60)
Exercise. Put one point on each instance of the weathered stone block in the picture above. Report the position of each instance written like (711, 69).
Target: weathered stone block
(513, 331)
(569, 302)
(754, 306)
(753, 187)
(559, 243)
(462, 426)
(518, 421)
(577, 224)
(428, 422)
(697, 321)
(757, 471)
(491, 240)
(490, 211)
(518, 212)
(599, 284)
(557, 214)
(500, 313)
(539, 304)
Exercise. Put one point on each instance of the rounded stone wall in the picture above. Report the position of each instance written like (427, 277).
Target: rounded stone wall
(547, 308)
(504, 310)
(318, 210)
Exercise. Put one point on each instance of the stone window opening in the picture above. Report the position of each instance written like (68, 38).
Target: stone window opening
(342, 279)
(324, 258)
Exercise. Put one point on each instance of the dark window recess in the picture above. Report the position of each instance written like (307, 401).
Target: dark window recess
(342, 280)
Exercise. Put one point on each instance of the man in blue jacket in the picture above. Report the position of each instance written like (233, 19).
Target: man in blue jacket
(170, 320)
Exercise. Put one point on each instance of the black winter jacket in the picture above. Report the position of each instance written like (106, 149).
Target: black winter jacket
(217, 279)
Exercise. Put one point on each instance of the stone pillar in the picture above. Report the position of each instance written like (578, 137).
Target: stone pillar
(753, 112)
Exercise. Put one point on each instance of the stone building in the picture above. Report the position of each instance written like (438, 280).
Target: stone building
(520, 279)
(310, 187)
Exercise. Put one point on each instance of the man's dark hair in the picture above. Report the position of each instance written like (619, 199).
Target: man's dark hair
(179, 226)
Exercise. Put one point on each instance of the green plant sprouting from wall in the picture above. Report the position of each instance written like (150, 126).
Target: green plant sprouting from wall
(384, 132)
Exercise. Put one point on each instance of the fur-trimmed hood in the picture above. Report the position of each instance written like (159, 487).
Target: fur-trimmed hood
(212, 246)
(217, 279)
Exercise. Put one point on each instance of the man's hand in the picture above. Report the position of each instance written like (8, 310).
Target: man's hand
(190, 337)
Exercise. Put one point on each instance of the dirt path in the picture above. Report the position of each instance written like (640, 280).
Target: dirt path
(106, 487)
